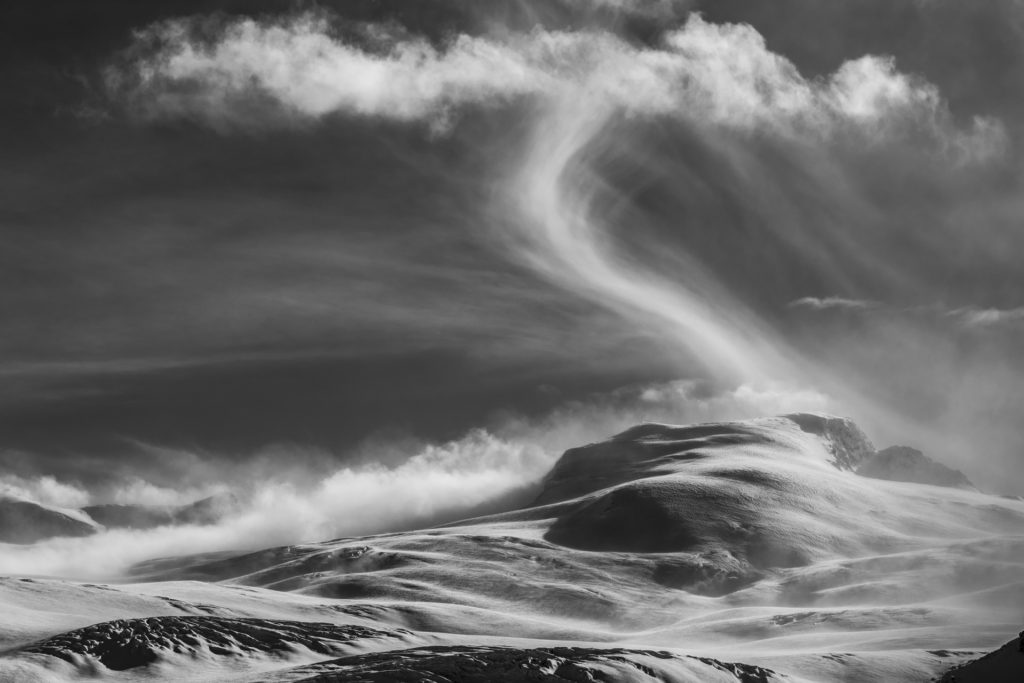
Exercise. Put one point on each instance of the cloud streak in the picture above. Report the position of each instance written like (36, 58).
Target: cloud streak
(967, 317)
(832, 302)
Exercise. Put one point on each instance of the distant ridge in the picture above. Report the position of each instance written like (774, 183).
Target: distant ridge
(25, 522)
(902, 463)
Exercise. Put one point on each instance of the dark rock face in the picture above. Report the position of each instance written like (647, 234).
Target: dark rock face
(129, 643)
(484, 664)
(25, 522)
(901, 463)
(1005, 665)
(637, 518)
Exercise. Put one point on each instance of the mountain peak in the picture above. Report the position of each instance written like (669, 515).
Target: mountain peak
(847, 442)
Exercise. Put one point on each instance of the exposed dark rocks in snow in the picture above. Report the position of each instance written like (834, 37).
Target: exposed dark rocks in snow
(514, 665)
(693, 537)
(902, 463)
(847, 442)
(129, 643)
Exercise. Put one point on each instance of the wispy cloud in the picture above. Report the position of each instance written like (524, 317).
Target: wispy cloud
(833, 302)
(970, 317)
(976, 317)
(582, 94)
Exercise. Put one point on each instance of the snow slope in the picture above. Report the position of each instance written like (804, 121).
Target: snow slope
(664, 553)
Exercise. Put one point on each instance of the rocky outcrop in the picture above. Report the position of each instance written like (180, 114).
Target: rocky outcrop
(130, 643)
(482, 664)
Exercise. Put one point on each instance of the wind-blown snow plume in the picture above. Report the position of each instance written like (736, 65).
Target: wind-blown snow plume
(46, 490)
(289, 496)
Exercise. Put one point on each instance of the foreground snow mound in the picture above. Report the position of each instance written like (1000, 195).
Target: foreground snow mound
(902, 463)
(535, 665)
(132, 643)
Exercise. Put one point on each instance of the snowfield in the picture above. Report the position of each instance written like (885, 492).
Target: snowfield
(747, 551)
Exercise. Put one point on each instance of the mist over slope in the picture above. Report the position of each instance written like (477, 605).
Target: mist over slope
(291, 495)
(751, 542)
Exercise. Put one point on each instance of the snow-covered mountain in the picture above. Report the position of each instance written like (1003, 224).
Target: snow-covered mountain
(748, 551)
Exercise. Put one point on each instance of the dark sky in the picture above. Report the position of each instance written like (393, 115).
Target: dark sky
(220, 261)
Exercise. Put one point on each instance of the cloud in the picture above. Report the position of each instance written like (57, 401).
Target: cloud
(248, 73)
(46, 490)
(975, 317)
(288, 505)
(276, 72)
(686, 181)
(577, 86)
(762, 157)
(831, 302)
(967, 317)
